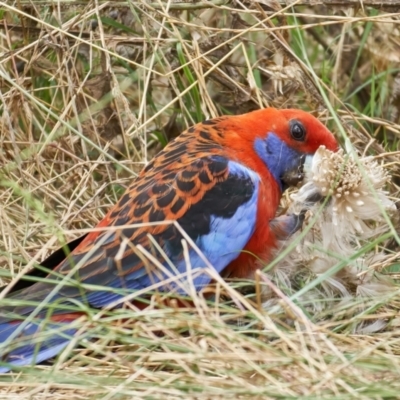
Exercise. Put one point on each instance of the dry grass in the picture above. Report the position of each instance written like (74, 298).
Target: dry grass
(90, 92)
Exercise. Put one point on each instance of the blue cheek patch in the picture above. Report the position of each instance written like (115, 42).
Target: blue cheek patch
(277, 156)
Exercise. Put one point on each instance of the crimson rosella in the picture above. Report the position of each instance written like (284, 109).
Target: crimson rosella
(221, 181)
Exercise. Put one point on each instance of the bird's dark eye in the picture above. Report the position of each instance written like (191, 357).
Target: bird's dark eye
(297, 130)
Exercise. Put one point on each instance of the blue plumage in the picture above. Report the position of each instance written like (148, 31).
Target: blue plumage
(31, 343)
(277, 155)
(227, 236)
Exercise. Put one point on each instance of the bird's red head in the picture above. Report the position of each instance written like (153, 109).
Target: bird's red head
(298, 129)
(303, 132)
(277, 139)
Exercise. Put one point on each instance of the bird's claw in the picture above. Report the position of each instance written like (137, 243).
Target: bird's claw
(286, 225)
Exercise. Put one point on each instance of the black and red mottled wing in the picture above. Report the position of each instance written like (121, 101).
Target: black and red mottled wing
(212, 198)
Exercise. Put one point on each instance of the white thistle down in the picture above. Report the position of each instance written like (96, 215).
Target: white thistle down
(357, 192)
(352, 215)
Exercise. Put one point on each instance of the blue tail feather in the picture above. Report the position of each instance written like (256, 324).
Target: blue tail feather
(33, 343)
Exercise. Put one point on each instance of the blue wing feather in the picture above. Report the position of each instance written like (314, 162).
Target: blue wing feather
(31, 344)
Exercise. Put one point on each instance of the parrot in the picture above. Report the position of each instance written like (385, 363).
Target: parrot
(217, 185)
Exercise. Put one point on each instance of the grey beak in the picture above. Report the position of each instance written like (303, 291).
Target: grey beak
(295, 175)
